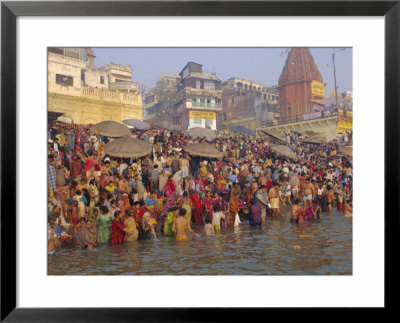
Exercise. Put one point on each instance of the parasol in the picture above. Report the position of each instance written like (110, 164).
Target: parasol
(138, 124)
(201, 133)
(203, 149)
(242, 129)
(284, 151)
(128, 147)
(111, 129)
(348, 150)
(275, 134)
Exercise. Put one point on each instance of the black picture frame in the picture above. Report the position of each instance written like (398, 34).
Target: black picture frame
(10, 10)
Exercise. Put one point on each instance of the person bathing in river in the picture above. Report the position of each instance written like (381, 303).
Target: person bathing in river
(180, 225)
(296, 211)
(208, 227)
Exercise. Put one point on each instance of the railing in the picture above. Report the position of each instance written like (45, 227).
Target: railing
(294, 119)
(206, 105)
(110, 96)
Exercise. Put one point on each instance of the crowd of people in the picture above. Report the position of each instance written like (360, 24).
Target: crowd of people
(97, 199)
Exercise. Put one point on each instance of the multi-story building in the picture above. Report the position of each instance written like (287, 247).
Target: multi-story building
(160, 102)
(199, 98)
(247, 103)
(88, 94)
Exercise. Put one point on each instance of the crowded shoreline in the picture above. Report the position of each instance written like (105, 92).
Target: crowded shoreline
(97, 199)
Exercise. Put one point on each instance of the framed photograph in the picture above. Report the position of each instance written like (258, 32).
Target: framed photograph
(36, 76)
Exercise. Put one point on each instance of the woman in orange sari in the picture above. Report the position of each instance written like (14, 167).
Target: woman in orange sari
(233, 209)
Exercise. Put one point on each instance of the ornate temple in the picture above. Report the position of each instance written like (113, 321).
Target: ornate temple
(300, 87)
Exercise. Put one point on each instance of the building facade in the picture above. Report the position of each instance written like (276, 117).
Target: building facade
(88, 94)
(247, 103)
(199, 98)
(301, 87)
(160, 102)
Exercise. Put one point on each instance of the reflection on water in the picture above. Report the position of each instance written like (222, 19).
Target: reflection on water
(323, 247)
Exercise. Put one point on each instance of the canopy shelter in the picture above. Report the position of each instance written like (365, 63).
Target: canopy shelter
(202, 133)
(203, 149)
(284, 151)
(274, 134)
(128, 147)
(347, 150)
(242, 129)
(111, 129)
(312, 140)
(138, 124)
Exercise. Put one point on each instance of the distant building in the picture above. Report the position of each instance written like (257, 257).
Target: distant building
(247, 103)
(199, 98)
(160, 102)
(88, 94)
(300, 87)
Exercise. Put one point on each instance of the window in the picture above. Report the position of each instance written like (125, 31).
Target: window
(59, 51)
(265, 97)
(233, 100)
(83, 76)
(64, 80)
(198, 121)
(101, 79)
(208, 100)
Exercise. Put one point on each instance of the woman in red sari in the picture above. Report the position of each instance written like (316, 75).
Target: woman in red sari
(208, 204)
(117, 234)
(169, 187)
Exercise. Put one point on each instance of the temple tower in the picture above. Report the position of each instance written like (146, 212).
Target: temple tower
(300, 86)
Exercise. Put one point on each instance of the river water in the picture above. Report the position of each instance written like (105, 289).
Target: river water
(321, 247)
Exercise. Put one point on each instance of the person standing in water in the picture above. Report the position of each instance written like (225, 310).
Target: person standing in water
(180, 225)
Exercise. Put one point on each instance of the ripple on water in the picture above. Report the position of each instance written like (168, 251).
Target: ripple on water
(266, 250)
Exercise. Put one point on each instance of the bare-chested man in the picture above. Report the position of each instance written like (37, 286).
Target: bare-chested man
(309, 193)
(184, 166)
(180, 225)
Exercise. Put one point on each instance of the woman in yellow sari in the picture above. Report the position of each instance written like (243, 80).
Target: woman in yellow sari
(131, 232)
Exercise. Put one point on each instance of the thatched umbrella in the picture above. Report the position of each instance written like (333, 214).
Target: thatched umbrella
(284, 151)
(111, 129)
(202, 132)
(203, 149)
(164, 124)
(128, 147)
(348, 150)
(138, 124)
(275, 134)
(312, 140)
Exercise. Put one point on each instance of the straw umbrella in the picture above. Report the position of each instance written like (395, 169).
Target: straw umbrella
(111, 129)
(127, 147)
(138, 124)
(284, 151)
(201, 133)
(203, 149)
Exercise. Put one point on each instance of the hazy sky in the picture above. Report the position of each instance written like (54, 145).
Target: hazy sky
(261, 65)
